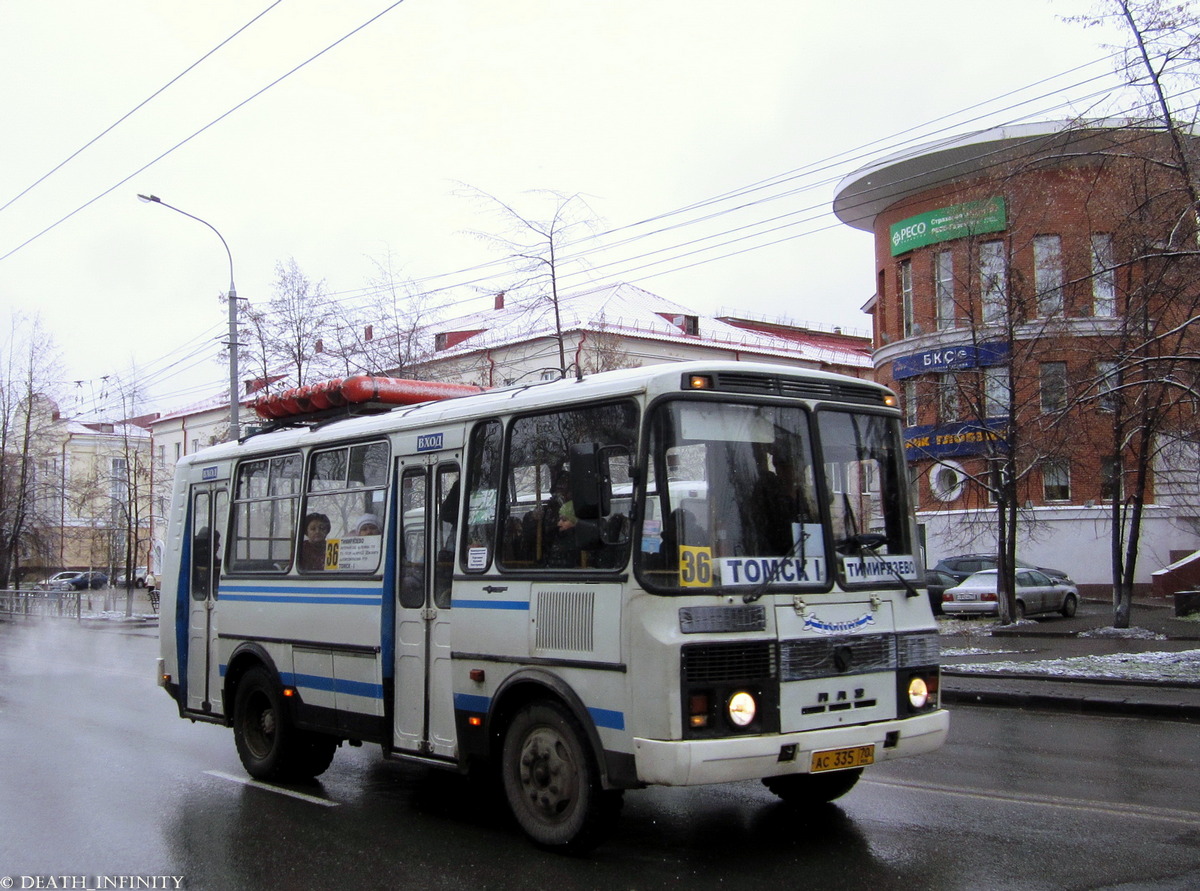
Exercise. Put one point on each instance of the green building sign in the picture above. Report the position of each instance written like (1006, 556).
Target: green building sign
(946, 223)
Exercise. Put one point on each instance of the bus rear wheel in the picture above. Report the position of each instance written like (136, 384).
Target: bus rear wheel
(551, 781)
(811, 789)
(270, 747)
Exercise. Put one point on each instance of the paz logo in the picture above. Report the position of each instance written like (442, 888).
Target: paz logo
(813, 623)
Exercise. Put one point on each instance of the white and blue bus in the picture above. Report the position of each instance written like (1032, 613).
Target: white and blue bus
(679, 574)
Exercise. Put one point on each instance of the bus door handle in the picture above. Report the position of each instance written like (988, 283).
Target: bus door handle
(495, 589)
(429, 614)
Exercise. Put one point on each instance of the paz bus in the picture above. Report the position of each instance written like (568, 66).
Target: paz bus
(687, 573)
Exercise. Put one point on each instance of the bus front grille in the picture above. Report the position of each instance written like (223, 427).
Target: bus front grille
(715, 663)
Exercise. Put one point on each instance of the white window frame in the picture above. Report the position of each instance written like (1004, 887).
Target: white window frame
(906, 296)
(993, 281)
(1048, 274)
(1052, 405)
(1104, 276)
(943, 279)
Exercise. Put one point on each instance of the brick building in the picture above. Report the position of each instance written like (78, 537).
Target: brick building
(1032, 288)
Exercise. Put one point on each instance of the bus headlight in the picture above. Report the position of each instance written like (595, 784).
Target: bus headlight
(918, 692)
(742, 708)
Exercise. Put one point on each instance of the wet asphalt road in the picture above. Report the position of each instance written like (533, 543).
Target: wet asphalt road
(101, 778)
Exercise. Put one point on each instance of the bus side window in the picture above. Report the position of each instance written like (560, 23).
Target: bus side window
(445, 526)
(412, 539)
(483, 485)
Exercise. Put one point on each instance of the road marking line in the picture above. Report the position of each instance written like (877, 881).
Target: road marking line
(1187, 818)
(246, 781)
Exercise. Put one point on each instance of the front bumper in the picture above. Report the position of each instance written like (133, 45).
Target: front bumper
(696, 762)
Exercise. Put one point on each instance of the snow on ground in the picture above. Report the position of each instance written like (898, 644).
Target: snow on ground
(1181, 667)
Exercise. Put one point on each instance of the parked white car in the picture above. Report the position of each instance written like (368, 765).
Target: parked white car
(1036, 593)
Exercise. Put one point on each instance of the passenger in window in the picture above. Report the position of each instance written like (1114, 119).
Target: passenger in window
(368, 524)
(564, 552)
(312, 549)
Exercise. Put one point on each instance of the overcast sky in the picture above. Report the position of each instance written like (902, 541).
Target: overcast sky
(645, 107)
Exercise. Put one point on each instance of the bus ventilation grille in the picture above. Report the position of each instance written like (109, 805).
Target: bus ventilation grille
(771, 385)
(712, 663)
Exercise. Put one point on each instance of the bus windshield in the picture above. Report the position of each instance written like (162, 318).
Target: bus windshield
(736, 498)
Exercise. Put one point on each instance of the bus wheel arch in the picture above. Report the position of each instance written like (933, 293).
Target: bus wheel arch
(245, 657)
(525, 687)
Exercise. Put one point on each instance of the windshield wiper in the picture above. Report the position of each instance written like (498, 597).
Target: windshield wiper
(761, 588)
(870, 542)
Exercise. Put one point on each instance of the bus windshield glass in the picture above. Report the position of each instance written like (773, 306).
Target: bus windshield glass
(734, 500)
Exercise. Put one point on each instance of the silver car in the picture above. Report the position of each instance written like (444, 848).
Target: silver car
(1036, 593)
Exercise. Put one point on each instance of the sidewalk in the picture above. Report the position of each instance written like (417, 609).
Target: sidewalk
(1079, 664)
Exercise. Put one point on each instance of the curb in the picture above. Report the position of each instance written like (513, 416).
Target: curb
(1091, 705)
(1049, 678)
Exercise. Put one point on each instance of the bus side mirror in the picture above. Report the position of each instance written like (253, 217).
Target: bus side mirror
(591, 478)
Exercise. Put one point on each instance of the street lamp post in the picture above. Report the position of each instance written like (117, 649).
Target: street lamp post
(234, 384)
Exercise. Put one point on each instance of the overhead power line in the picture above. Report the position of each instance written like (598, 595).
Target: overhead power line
(79, 151)
(203, 129)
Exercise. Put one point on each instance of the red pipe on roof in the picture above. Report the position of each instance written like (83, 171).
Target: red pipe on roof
(356, 390)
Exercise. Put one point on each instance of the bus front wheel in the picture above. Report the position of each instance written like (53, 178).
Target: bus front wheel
(551, 780)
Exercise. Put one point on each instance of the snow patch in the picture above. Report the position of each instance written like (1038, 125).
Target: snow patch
(1183, 666)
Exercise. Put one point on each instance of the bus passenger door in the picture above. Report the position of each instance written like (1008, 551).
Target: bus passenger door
(209, 506)
(429, 495)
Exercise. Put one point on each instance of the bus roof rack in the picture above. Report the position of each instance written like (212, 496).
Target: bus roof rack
(343, 397)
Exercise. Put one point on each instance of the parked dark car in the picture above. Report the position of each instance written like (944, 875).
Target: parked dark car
(936, 583)
(91, 580)
(968, 564)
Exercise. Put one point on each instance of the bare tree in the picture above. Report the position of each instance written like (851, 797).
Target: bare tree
(537, 248)
(30, 360)
(1146, 374)
(384, 335)
(283, 337)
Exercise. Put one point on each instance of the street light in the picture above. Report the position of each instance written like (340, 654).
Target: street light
(234, 387)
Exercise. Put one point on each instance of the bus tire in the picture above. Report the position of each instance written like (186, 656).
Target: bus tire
(812, 789)
(551, 780)
(313, 754)
(265, 739)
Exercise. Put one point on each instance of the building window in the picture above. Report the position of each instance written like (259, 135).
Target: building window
(1110, 479)
(943, 284)
(1056, 480)
(1053, 380)
(162, 454)
(996, 391)
(1048, 274)
(947, 398)
(119, 483)
(178, 451)
(910, 402)
(993, 281)
(906, 296)
(1104, 279)
(1108, 379)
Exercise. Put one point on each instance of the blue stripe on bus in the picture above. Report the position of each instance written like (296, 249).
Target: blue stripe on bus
(602, 717)
(469, 702)
(374, 600)
(490, 604)
(605, 717)
(334, 685)
(298, 589)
